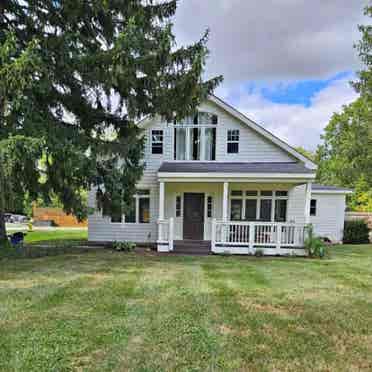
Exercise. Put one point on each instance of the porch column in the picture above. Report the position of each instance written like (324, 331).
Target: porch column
(307, 202)
(161, 200)
(225, 201)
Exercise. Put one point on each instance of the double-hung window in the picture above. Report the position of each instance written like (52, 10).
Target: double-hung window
(233, 136)
(157, 138)
(138, 210)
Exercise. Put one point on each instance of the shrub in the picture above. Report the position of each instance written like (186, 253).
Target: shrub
(124, 246)
(314, 245)
(356, 232)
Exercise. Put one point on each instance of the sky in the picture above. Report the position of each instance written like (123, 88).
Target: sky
(287, 64)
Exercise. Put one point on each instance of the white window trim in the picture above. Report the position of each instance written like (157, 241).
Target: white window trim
(232, 141)
(137, 197)
(258, 197)
(157, 142)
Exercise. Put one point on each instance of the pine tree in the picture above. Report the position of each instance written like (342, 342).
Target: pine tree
(72, 71)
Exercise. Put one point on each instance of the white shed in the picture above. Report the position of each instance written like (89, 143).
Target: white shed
(327, 211)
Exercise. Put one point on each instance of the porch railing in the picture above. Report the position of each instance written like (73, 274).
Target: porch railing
(258, 234)
(166, 234)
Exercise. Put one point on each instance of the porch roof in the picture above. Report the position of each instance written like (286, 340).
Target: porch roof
(215, 169)
(232, 167)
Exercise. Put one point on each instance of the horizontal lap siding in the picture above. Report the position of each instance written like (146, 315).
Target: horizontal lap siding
(329, 220)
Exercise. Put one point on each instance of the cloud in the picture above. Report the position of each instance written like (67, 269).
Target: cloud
(297, 124)
(274, 39)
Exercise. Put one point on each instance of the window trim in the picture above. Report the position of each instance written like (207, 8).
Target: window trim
(230, 140)
(181, 206)
(137, 197)
(259, 197)
(157, 143)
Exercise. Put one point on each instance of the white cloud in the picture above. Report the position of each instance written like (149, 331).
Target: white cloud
(273, 39)
(296, 124)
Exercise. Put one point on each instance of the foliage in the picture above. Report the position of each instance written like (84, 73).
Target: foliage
(124, 246)
(73, 71)
(356, 232)
(308, 154)
(314, 245)
(361, 199)
(345, 157)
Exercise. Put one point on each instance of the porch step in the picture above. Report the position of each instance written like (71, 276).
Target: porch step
(192, 246)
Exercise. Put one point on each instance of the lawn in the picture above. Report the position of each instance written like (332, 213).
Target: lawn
(105, 311)
(56, 236)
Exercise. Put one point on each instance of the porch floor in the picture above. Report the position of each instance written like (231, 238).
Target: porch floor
(195, 247)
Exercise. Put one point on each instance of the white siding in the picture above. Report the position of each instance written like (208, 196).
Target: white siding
(330, 216)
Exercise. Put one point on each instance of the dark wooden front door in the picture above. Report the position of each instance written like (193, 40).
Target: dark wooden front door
(193, 216)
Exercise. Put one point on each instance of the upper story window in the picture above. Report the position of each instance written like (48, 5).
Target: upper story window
(233, 136)
(195, 137)
(157, 138)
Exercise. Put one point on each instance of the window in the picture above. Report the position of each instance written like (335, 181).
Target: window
(233, 141)
(130, 215)
(144, 210)
(265, 205)
(138, 211)
(178, 206)
(236, 210)
(313, 207)
(157, 141)
(117, 216)
(209, 207)
(236, 193)
(280, 210)
(265, 210)
(195, 137)
(251, 209)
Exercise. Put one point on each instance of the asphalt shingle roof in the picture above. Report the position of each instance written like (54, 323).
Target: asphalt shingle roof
(233, 167)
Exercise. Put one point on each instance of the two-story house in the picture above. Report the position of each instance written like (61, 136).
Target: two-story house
(218, 181)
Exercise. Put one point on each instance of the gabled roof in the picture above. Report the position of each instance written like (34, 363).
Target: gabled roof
(262, 131)
(254, 126)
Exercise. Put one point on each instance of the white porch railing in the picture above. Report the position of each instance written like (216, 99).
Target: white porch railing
(165, 235)
(255, 235)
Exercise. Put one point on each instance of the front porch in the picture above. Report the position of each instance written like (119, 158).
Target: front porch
(236, 218)
(245, 238)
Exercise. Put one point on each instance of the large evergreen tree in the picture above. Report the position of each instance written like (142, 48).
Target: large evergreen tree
(345, 157)
(85, 68)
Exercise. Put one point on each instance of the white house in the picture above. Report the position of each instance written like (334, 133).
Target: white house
(218, 181)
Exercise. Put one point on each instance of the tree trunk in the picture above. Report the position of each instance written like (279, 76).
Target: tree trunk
(2, 206)
(2, 180)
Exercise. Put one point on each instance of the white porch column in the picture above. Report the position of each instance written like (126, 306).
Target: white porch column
(225, 201)
(161, 200)
(307, 202)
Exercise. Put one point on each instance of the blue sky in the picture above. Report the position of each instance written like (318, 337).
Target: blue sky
(301, 91)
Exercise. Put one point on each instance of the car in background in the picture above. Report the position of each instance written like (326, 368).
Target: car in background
(15, 218)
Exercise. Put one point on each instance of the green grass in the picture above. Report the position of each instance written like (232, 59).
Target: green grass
(55, 236)
(104, 311)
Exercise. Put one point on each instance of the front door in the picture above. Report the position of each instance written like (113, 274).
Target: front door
(193, 216)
